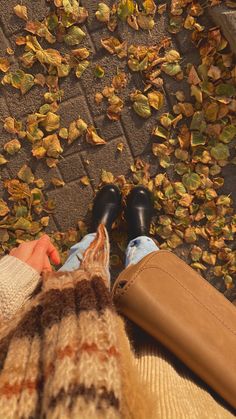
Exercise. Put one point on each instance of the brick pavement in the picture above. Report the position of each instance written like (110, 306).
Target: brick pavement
(74, 198)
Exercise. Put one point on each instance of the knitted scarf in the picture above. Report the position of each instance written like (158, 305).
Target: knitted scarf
(66, 353)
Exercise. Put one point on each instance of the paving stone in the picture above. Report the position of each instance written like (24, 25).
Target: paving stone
(70, 111)
(111, 66)
(21, 105)
(226, 19)
(108, 158)
(143, 37)
(42, 171)
(71, 86)
(72, 203)
(71, 168)
(37, 10)
(229, 174)
(106, 128)
(138, 130)
(4, 44)
(52, 227)
(17, 161)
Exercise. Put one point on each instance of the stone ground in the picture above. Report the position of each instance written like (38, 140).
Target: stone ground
(73, 200)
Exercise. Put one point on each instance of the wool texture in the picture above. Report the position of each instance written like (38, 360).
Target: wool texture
(66, 353)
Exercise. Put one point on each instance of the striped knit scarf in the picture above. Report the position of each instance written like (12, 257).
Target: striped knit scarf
(66, 354)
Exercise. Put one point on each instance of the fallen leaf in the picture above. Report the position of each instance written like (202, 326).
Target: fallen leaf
(25, 174)
(99, 72)
(4, 64)
(52, 146)
(114, 46)
(85, 180)
(172, 69)
(228, 133)
(191, 181)
(20, 80)
(120, 147)
(220, 152)
(4, 209)
(2, 160)
(57, 182)
(74, 36)
(49, 56)
(107, 177)
(93, 138)
(125, 9)
(21, 11)
(81, 67)
(156, 99)
(51, 122)
(119, 81)
(141, 104)
(103, 13)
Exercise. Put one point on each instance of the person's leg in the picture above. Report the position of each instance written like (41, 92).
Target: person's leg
(77, 252)
(106, 207)
(138, 248)
(138, 213)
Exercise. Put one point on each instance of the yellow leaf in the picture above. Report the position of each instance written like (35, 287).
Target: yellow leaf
(107, 177)
(12, 147)
(93, 138)
(120, 147)
(21, 11)
(4, 64)
(51, 122)
(156, 99)
(4, 210)
(2, 160)
(44, 221)
(57, 182)
(52, 146)
(85, 180)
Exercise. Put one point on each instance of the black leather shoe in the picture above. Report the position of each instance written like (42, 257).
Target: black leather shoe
(106, 206)
(139, 212)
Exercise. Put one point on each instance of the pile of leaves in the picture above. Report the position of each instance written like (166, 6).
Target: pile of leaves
(191, 144)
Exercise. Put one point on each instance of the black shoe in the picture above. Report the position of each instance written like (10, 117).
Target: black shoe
(139, 212)
(106, 206)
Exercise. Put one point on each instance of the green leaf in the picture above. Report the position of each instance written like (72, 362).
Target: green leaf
(160, 132)
(220, 152)
(198, 122)
(191, 181)
(224, 89)
(197, 139)
(228, 133)
(25, 174)
(74, 36)
(141, 105)
(171, 68)
(125, 9)
(99, 72)
(20, 80)
(81, 67)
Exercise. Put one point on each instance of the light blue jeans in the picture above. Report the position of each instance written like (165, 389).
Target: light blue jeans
(137, 248)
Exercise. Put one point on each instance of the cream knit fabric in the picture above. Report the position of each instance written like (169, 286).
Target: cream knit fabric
(17, 282)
